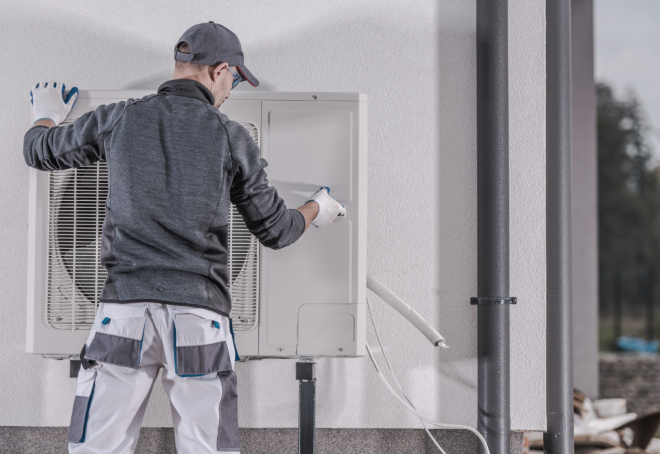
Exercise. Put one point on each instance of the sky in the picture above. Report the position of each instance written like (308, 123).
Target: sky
(627, 41)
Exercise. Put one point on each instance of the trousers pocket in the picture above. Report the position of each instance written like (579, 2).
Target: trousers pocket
(81, 404)
(118, 337)
(228, 439)
(200, 342)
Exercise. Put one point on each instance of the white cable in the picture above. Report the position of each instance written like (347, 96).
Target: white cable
(382, 349)
(418, 414)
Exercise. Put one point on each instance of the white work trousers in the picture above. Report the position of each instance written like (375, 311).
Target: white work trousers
(129, 344)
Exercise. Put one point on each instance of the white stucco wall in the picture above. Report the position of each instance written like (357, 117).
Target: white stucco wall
(416, 61)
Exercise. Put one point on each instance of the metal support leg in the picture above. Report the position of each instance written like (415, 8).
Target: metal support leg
(306, 375)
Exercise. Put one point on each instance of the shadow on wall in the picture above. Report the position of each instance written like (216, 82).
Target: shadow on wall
(456, 208)
(397, 66)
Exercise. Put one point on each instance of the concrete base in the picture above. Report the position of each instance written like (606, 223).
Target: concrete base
(52, 440)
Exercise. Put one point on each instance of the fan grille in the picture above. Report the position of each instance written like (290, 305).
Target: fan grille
(76, 211)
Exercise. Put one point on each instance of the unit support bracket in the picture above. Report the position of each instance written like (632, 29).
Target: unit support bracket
(306, 376)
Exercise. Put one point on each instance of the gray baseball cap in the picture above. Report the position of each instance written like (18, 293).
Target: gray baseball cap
(212, 44)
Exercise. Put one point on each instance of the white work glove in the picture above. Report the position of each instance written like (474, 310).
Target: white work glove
(329, 208)
(48, 102)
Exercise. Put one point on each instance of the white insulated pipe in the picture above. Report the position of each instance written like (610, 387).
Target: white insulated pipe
(408, 312)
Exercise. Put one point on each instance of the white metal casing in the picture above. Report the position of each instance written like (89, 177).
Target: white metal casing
(311, 294)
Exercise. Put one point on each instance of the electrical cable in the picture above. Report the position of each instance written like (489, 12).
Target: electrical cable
(387, 361)
(412, 410)
(420, 415)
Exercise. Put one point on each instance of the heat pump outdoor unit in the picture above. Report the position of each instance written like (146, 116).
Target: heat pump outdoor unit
(304, 300)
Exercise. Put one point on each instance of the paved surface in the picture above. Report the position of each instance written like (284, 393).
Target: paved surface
(52, 440)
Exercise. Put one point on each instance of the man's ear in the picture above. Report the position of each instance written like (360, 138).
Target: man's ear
(215, 75)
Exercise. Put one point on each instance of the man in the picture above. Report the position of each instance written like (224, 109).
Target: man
(174, 165)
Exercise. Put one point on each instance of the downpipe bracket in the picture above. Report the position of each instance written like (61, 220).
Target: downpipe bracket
(478, 300)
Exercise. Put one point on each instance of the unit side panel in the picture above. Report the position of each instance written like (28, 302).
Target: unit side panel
(312, 285)
(361, 239)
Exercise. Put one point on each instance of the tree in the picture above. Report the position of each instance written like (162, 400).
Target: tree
(628, 202)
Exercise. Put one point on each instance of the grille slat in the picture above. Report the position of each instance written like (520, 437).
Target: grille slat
(76, 211)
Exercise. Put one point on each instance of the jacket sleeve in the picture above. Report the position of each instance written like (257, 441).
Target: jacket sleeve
(76, 145)
(263, 211)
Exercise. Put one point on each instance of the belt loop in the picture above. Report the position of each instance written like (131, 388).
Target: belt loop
(233, 339)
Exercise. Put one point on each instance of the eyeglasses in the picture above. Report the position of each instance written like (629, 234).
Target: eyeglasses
(237, 78)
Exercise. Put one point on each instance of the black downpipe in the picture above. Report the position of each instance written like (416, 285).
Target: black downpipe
(494, 421)
(558, 438)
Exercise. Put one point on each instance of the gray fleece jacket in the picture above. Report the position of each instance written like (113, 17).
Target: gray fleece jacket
(174, 165)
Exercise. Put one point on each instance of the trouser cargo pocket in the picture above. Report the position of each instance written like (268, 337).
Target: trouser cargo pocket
(81, 404)
(119, 329)
(200, 342)
(228, 439)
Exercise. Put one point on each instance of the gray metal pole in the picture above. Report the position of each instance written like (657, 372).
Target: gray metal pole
(559, 355)
(493, 224)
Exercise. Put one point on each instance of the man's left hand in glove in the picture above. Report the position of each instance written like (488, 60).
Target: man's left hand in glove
(48, 103)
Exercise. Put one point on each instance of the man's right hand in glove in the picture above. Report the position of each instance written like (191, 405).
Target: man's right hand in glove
(321, 209)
